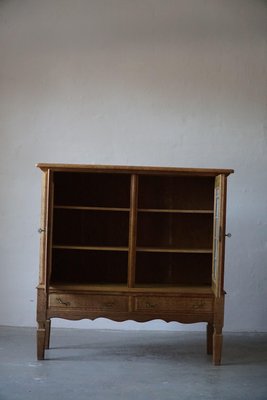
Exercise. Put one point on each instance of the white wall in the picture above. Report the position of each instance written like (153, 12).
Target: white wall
(148, 82)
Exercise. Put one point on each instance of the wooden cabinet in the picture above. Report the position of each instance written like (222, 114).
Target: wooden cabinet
(132, 243)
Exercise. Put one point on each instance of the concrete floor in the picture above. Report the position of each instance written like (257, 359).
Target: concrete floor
(139, 365)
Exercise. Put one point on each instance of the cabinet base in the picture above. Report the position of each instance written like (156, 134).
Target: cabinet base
(214, 341)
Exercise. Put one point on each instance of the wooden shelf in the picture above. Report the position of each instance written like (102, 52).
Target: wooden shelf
(172, 250)
(88, 287)
(56, 286)
(98, 248)
(93, 208)
(173, 288)
(162, 210)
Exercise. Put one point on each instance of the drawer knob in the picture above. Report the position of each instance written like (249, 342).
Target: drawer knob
(149, 305)
(228, 235)
(199, 305)
(66, 303)
(109, 305)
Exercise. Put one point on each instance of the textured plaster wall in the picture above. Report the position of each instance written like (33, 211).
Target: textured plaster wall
(171, 83)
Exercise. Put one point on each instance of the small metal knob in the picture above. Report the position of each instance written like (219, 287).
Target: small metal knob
(228, 235)
(40, 230)
(198, 305)
(109, 305)
(150, 305)
(66, 303)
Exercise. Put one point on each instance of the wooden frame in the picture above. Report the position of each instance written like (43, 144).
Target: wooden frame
(132, 243)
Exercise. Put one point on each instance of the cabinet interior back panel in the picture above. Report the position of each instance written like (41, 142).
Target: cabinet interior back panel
(173, 269)
(175, 230)
(181, 192)
(90, 228)
(89, 267)
(92, 189)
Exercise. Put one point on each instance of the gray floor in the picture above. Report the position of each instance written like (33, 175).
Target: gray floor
(139, 365)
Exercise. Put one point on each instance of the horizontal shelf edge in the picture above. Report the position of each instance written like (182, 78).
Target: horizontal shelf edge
(98, 248)
(178, 211)
(130, 290)
(171, 250)
(91, 208)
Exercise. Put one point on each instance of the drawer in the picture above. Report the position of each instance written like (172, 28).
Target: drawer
(153, 304)
(93, 302)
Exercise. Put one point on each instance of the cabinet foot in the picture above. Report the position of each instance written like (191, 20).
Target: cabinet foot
(47, 333)
(210, 331)
(217, 347)
(41, 341)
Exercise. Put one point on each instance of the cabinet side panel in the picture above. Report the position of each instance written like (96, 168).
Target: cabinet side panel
(50, 219)
(43, 237)
(45, 227)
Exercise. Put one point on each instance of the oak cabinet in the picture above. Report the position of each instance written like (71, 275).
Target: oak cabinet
(132, 243)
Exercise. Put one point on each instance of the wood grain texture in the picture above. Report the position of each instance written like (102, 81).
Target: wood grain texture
(132, 230)
(134, 169)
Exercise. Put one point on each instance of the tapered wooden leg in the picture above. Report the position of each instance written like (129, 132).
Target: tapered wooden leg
(217, 345)
(43, 324)
(47, 333)
(40, 340)
(210, 331)
(218, 326)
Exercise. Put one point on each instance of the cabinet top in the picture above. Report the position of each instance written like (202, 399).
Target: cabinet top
(134, 169)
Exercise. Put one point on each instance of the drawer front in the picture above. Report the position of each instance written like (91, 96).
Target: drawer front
(153, 304)
(93, 302)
